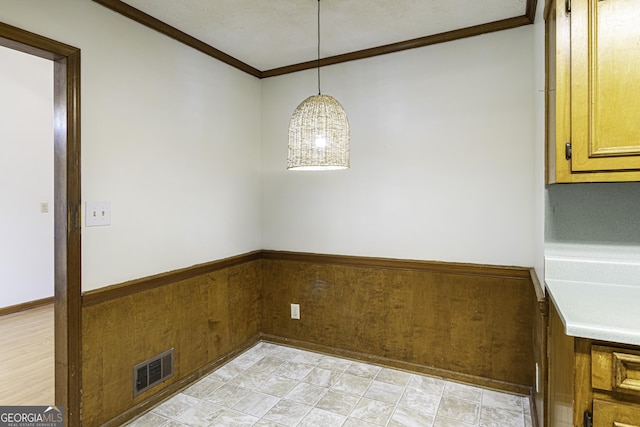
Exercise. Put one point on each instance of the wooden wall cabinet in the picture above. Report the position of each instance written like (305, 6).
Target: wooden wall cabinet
(593, 90)
(601, 379)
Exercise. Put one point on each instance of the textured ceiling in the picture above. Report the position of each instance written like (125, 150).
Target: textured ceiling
(268, 34)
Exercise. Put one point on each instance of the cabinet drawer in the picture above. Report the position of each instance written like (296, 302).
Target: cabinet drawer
(607, 414)
(615, 369)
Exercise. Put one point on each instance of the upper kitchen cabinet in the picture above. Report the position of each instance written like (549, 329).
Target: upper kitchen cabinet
(593, 90)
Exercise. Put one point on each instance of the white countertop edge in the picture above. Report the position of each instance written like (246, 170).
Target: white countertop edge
(595, 332)
(561, 293)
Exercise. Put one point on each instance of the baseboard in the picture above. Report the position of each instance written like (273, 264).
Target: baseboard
(26, 306)
(181, 384)
(399, 364)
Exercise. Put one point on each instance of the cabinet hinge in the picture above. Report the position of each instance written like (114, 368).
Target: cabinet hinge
(567, 151)
(588, 419)
(567, 6)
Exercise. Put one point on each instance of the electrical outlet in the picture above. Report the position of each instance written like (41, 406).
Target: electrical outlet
(295, 311)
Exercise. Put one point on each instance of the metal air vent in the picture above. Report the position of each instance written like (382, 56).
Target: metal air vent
(152, 371)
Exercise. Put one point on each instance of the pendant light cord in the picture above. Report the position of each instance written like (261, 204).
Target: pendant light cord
(319, 48)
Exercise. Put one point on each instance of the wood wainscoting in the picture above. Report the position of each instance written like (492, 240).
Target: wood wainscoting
(207, 313)
(477, 324)
(471, 323)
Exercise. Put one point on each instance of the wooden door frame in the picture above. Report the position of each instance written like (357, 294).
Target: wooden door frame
(67, 207)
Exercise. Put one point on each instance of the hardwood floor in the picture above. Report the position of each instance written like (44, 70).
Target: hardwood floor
(26, 357)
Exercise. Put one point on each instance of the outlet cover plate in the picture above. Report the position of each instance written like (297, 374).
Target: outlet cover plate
(295, 311)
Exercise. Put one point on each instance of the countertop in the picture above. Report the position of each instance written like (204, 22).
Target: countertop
(596, 291)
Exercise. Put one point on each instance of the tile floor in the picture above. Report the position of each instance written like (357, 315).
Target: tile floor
(272, 386)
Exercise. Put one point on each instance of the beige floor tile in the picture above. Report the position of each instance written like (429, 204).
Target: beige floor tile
(354, 422)
(319, 417)
(176, 405)
(200, 415)
(419, 399)
(149, 419)
(203, 388)
(256, 404)
(427, 385)
(322, 377)
(227, 395)
(510, 402)
(231, 418)
(351, 384)
(339, 403)
(287, 412)
(392, 376)
(462, 391)
(334, 364)
(405, 417)
(275, 386)
(459, 410)
(496, 417)
(384, 392)
(363, 370)
(308, 394)
(372, 411)
(294, 370)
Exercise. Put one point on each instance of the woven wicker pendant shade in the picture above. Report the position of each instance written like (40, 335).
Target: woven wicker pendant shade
(319, 135)
(318, 131)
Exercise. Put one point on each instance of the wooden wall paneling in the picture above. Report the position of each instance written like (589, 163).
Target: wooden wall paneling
(205, 319)
(219, 311)
(108, 347)
(243, 298)
(463, 322)
(470, 324)
(511, 355)
(399, 307)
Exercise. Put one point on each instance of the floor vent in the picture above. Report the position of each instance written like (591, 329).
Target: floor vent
(152, 372)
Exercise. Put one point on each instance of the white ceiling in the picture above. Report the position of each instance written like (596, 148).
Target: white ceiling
(268, 34)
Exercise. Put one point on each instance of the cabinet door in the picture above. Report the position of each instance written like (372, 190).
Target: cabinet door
(609, 414)
(605, 85)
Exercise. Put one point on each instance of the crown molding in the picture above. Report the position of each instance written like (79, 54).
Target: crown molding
(166, 29)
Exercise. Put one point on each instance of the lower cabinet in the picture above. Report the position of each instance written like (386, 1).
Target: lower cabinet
(615, 414)
(591, 383)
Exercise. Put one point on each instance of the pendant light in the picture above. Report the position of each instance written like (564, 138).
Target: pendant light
(318, 131)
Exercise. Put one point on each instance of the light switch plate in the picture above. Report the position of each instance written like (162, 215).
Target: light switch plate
(97, 214)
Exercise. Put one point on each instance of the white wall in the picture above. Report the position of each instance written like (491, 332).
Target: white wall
(26, 174)
(442, 156)
(171, 137)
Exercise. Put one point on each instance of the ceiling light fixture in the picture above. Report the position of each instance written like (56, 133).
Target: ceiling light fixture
(318, 131)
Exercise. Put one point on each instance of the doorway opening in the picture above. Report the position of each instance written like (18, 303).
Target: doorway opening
(67, 208)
